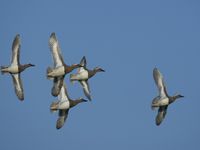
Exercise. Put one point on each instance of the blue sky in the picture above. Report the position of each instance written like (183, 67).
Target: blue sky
(127, 39)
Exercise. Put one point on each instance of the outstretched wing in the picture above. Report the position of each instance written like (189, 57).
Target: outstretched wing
(55, 50)
(86, 89)
(63, 114)
(57, 85)
(83, 63)
(162, 111)
(16, 50)
(18, 86)
(159, 82)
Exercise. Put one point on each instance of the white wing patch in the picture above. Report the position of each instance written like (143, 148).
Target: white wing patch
(15, 51)
(55, 49)
(159, 82)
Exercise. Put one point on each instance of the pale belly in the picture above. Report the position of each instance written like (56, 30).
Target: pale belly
(81, 76)
(64, 105)
(59, 71)
(163, 102)
(13, 69)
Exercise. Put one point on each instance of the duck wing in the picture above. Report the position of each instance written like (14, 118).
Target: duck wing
(86, 89)
(162, 111)
(55, 50)
(63, 95)
(57, 85)
(18, 86)
(83, 63)
(63, 114)
(159, 80)
(16, 50)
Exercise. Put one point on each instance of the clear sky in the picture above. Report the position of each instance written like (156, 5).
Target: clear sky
(127, 39)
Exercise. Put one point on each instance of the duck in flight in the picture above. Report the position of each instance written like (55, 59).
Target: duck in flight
(16, 68)
(63, 105)
(163, 100)
(60, 69)
(83, 75)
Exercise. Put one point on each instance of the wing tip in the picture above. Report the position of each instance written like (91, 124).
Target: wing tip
(60, 123)
(20, 97)
(52, 39)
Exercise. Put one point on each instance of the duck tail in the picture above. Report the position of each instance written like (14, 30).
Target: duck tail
(4, 69)
(49, 70)
(54, 107)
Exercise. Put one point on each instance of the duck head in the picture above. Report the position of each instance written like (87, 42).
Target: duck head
(179, 96)
(82, 100)
(77, 101)
(176, 96)
(98, 69)
(30, 65)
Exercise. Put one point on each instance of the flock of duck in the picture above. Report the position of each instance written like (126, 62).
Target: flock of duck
(57, 74)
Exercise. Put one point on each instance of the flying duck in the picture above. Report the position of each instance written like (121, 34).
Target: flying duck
(60, 69)
(63, 105)
(16, 68)
(163, 100)
(83, 75)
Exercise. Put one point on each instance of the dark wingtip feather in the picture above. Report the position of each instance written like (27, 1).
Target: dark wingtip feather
(53, 34)
(60, 122)
(55, 92)
(21, 98)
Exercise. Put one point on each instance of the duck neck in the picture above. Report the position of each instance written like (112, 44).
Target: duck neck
(70, 68)
(173, 98)
(92, 73)
(74, 66)
(23, 67)
(75, 102)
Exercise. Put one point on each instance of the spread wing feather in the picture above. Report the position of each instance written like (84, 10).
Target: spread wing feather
(18, 86)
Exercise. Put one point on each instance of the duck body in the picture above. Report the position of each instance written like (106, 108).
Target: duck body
(60, 105)
(160, 101)
(60, 70)
(14, 69)
(10, 69)
(83, 75)
(56, 72)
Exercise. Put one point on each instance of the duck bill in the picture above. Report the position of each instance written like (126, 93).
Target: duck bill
(84, 100)
(102, 70)
(32, 65)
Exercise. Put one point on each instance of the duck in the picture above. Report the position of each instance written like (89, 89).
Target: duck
(60, 69)
(83, 75)
(163, 100)
(16, 68)
(63, 105)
